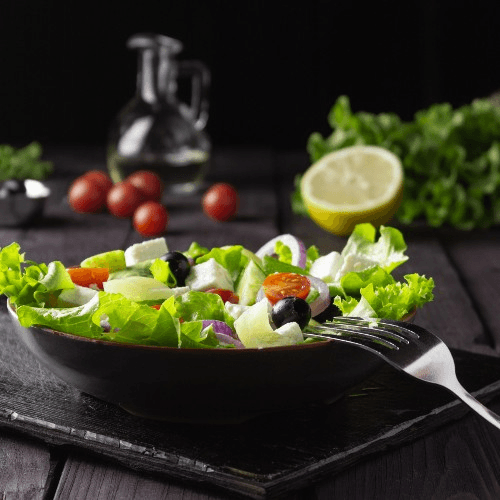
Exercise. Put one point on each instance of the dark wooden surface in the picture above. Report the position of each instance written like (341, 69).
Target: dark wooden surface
(458, 459)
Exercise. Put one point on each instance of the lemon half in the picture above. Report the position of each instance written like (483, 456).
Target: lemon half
(353, 185)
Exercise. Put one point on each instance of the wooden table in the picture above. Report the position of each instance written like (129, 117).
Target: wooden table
(458, 459)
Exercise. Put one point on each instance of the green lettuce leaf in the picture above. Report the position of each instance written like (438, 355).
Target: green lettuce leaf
(135, 323)
(353, 282)
(195, 306)
(74, 320)
(194, 336)
(388, 251)
(232, 258)
(392, 301)
(161, 271)
(20, 279)
(195, 250)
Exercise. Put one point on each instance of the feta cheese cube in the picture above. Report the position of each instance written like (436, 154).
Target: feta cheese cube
(354, 263)
(326, 267)
(151, 249)
(209, 274)
(235, 310)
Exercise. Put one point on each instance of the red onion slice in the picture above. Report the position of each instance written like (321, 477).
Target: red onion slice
(323, 301)
(296, 246)
(227, 340)
(223, 332)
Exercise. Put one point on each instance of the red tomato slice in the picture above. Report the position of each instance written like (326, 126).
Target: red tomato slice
(225, 295)
(86, 276)
(280, 285)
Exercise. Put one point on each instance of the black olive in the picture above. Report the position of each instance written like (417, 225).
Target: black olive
(291, 309)
(329, 313)
(179, 265)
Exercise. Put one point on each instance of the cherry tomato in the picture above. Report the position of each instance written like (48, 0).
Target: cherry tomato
(150, 219)
(86, 196)
(86, 276)
(156, 306)
(102, 178)
(280, 285)
(221, 202)
(123, 199)
(225, 295)
(148, 183)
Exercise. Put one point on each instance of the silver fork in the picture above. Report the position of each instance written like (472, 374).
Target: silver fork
(405, 346)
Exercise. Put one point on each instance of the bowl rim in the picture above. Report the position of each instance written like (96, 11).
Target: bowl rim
(79, 338)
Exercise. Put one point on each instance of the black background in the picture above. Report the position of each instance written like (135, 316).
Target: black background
(277, 66)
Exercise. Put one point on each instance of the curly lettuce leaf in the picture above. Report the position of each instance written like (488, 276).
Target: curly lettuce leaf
(20, 280)
(388, 251)
(392, 301)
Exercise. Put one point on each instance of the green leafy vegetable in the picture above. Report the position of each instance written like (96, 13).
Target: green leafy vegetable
(388, 251)
(195, 306)
(161, 271)
(195, 250)
(75, 320)
(391, 301)
(23, 163)
(451, 159)
(232, 258)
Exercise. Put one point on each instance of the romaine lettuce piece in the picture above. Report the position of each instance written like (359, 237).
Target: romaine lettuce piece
(74, 320)
(195, 306)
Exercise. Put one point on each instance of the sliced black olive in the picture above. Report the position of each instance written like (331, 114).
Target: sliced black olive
(329, 313)
(179, 265)
(291, 309)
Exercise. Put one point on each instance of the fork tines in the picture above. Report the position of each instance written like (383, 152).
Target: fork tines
(368, 331)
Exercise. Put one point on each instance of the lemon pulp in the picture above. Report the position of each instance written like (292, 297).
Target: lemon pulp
(353, 185)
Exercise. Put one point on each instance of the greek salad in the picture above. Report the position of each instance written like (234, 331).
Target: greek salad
(223, 297)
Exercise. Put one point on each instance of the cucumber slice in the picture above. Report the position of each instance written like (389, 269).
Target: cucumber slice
(138, 288)
(249, 284)
(254, 329)
(113, 260)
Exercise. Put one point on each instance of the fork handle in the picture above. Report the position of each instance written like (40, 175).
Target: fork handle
(473, 403)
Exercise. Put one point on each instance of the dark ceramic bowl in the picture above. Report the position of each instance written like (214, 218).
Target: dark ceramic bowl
(200, 385)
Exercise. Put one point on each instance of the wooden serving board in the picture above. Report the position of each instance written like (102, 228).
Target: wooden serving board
(264, 458)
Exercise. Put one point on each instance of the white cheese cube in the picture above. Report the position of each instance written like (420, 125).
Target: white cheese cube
(290, 333)
(151, 249)
(209, 274)
(354, 263)
(235, 310)
(326, 267)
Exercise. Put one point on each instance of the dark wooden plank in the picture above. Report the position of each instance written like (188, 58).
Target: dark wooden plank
(85, 478)
(476, 254)
(25, 468)
(459, 460)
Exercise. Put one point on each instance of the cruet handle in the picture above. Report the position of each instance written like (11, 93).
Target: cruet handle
(200, 83)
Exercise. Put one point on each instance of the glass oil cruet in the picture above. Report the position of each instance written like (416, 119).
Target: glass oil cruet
(155, 130)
